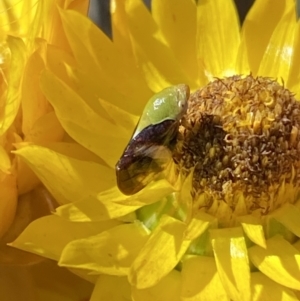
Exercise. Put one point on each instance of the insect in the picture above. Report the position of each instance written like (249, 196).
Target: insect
(153, 140)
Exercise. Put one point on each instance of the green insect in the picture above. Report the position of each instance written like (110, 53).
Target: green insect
(153, 139)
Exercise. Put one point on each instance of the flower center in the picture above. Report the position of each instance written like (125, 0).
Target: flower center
(240, 143)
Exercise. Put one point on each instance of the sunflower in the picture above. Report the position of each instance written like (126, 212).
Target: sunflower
(227, 227)
(26, 117)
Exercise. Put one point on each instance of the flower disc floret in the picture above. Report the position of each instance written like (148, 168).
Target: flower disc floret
(240, 136)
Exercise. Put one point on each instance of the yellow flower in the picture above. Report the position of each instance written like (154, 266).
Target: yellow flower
(232, 235)
(26, 117)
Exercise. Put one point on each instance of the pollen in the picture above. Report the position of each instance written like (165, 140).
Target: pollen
(240, 142)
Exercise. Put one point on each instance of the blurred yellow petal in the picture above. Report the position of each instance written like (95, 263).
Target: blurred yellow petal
(55, 56)
(198, 225)
(168, 289)
(110, 252)
(123, 44)
(89, 209)
(48, 126)
(280, 261)
(59, 233)
(71, 149)
(157, 61)
(263, 288)
(51, 16)
(26, 178)
(278, 55)
(11, 100)
(154, 192)
(288, 215)
(46, 129)
(294, 76)
(8, 201)
(82, 123)
(111, 288)
(255, 37)
(113, 204)
(216, 45)
(253, 229)
(90, 47)
(124, 119)
(120, 30)
(160, 254)
(67, 179)
(201, 281)
(177, 22)
(34, 104)
(30, 206)
(81, 6)
(5, 164)
(16, 16)
(232, 262)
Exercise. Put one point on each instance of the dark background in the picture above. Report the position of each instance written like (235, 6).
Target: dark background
(99, 12)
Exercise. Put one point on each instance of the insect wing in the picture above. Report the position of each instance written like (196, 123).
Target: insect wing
(149, 150)
(146, 156)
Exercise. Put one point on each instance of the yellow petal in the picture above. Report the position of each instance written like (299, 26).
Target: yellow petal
(122, 40)
(11, 100)
(73, 150)
(232, 262)
(5, 164)
(55, 57)
(217, 45)
(110, 252)
(56, 234)
(160, 254)
(253, 229)
(198, 225)
(82, 123)
(263, 288)
(81, 6)
(278, 55)
(103, 61)
(168, 289)
(8, 201)
(45, 130)
(157, 61)
(111, 288)
(201, 281)
(90, 210)
(274, 227)
(113, 204)
(34, 104)
(26, 178)
(155, 191)
(262, 12)
(120, 29)
(288, 215)
(177, 22)
(85, 85)
(280, 261)
(22, 18)
(123, 119)
(294, 76)
(66, 178)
